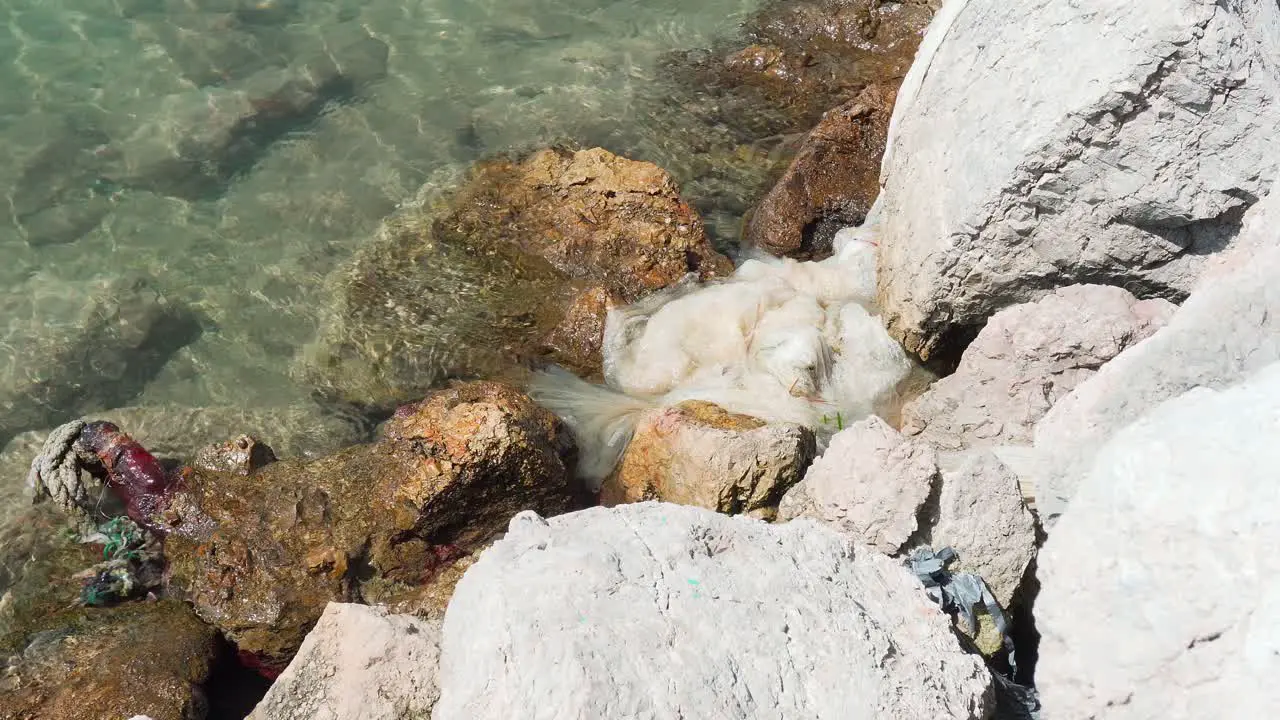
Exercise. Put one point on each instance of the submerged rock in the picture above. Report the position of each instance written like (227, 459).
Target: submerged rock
(1159, 583)
(1130, 169)
(359, 661)
(698, 454)
(261, 555)
(799, 58)
(85, 351)
(870, 484)
(190, 144)
(523, 261)
(1027, 358)
(831, 183)
(710, 616)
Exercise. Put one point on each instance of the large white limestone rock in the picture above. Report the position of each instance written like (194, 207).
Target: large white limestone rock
(1228, 329)
(1045, 143)
(870, 484)
(1027, 358)
(1160, 585)
(664, 611)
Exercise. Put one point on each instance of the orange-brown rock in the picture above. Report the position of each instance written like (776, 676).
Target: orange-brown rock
(595, 216)
(696, 453)
(830, 184)
(577, 342)
(520, 262)
(260, 555)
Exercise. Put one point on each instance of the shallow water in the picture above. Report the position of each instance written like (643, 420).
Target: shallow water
(248, 242)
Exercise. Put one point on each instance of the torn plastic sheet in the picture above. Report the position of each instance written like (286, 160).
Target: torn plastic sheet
(962, 593)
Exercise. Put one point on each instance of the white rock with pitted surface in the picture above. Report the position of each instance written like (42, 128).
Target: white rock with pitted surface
(663, 611)
(1160, 585)
(1043, 143)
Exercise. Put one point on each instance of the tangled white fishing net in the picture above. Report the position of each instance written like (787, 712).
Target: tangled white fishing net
(781, 340)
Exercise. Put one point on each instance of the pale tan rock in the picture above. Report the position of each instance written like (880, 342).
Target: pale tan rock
(699, 454)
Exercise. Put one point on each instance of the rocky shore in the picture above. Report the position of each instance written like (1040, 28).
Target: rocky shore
(991, 435)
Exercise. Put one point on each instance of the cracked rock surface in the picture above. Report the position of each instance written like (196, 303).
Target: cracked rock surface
(1227, 330)
(1010, 172)
(1159, 591)
(664, 611)
(1026, 359)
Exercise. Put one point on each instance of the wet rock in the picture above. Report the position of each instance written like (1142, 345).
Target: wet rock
(261, 555)
(84, 349)
(1130, 170)
(830, 184)
(180, 432)
(751, 610)
(416, 307)
(190, 144)
(359, 661)
(982, 516)
(1027, 358)
(241, 456)
(523, 261)
(61, 660)
(698, 454)
(799, 58)
(577, 341)
(139, 658)
(871, 484)
(1227, 330)
(593, 215)
(1159, 583)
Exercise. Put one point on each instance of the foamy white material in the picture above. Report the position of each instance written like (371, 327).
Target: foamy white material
(781, 340)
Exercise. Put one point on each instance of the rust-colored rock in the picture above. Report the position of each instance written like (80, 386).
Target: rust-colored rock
(521, 262)
(260, 555)
(831, 183)
(578, 341)
(699, 454)
(593, 215)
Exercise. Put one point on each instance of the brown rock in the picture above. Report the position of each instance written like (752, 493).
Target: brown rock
(241, 456)
(800, 58)
(699, 454)
(141, 658)
(60, 660)
(260, 555)
(522, 261)
(830, 184)
(577, 342)
(595, 216)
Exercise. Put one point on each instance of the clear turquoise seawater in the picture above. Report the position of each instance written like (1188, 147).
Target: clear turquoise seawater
(82, 79)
